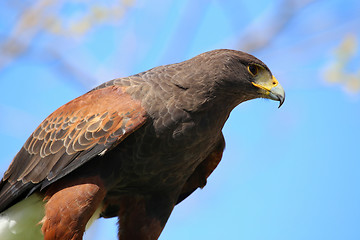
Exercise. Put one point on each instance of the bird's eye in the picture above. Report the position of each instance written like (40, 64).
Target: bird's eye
(253, 69)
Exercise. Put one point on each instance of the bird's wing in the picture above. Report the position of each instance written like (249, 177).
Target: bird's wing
(203, 171)
(72, 135)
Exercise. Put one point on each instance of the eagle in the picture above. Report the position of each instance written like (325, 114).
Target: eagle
(131, 148)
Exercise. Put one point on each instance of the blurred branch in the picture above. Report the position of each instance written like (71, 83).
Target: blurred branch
(45, 17)
(24, 31)
(262, 31)
(70, 71)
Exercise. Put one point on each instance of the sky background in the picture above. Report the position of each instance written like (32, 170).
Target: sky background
(288, 173)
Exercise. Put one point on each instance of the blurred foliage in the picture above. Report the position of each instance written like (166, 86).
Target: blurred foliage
(93, 15)
(52, 17)
(70, 20)
(339, 69)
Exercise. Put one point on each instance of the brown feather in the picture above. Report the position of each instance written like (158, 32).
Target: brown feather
(70, 204)
(74, 128)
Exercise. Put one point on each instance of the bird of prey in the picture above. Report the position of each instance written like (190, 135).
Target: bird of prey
(131, 148)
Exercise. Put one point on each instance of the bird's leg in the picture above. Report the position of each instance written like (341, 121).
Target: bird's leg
(69, 207)
(143, 217)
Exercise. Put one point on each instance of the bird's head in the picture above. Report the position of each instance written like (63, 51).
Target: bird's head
(266, 85)
(241, 74)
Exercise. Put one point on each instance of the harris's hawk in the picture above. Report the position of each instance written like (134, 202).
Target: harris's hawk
(131, 148)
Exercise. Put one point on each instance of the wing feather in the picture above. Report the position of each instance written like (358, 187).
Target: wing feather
(71, 136)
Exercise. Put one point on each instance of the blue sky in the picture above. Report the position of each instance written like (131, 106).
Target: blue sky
(288, 173)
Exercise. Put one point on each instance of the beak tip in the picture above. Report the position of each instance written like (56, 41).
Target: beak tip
(280, 104)
(278, 97)
(281, 101)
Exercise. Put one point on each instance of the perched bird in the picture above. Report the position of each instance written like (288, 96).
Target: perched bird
(131, 148)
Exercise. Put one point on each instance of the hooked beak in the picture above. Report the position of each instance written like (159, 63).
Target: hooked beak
(271, 90)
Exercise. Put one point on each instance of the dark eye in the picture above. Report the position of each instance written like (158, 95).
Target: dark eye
(253, 69)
